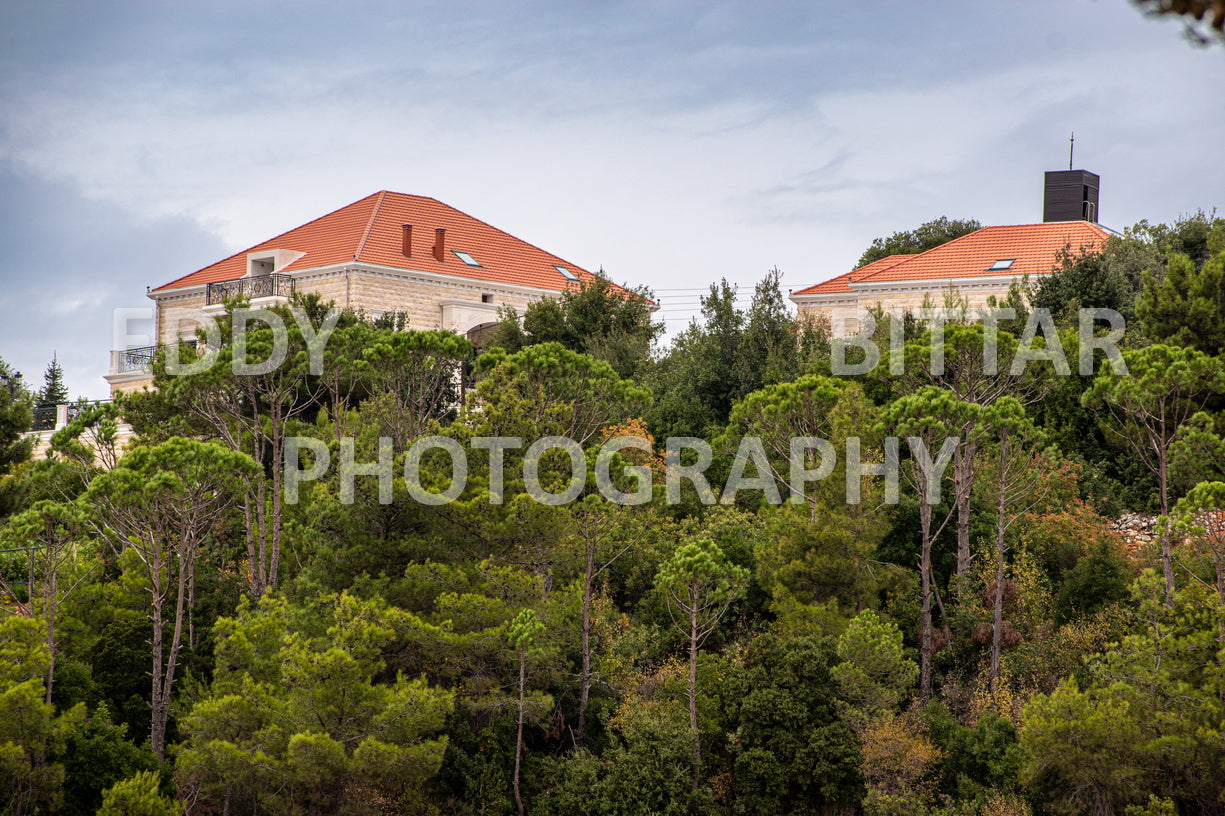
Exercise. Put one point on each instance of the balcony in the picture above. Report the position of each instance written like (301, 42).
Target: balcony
(124, 361)
(50, 417)
(136, 360)
(259, 286)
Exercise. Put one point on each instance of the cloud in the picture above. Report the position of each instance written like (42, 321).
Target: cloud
(67, 262)
(673, 144)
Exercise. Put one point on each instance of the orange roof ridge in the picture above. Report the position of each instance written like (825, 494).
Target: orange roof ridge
(374, 214)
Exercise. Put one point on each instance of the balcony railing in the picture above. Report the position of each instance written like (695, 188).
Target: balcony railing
(273, 285)
(49, 417)
(133, 359)
(46, 417)
(126, 361)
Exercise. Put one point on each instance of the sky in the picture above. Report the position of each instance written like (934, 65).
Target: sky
(670, 143)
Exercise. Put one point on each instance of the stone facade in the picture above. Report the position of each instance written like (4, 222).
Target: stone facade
(430, 302)
(844, 311)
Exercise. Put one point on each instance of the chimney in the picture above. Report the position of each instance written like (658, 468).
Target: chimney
(440, 239)
(1071, 195)
(406, 246)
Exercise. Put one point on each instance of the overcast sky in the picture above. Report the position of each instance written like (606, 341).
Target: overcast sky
(671, 143)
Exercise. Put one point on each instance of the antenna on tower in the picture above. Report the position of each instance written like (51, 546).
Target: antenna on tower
(1071, 147)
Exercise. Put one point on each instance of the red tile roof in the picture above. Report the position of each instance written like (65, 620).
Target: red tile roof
(841, 284)
(1033, 246)
(370, 231)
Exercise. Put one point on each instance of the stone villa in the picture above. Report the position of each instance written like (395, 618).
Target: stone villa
(980, 265)
(387, 252)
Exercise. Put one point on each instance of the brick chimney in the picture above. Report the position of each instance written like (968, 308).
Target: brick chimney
(440, 240)
(406, 245)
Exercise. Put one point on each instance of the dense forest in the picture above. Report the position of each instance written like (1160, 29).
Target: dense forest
(344, 567)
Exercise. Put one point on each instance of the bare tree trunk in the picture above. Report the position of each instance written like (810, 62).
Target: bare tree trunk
(519, 731)
(49, 610)
(925, 641)
(997, 620)
(963, 475)
(253, 581)
(163, 674)
(278, 444)
(585, 678)
(157, 727)
(1167, 556)
(693, 686)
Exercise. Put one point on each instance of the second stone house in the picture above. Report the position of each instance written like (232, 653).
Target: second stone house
(976, 267)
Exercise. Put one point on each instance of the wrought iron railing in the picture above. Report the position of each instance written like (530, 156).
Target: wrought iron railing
(49, 416)
(251, 288)
(133, 359)
(44, 417)
(125, 361)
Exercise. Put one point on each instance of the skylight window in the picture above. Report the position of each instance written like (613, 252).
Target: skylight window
(566, 273)
(1002, 263)
(465, 257)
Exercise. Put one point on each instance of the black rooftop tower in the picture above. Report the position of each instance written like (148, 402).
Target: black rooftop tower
(1071, 195)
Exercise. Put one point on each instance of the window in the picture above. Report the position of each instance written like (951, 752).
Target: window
(486, 298)
(465, 257)
(566, 273)
(261, 266)
(1001, 264)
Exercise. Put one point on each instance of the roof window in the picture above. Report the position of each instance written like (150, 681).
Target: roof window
(1002, 263)
(566, 273)
(465, 257)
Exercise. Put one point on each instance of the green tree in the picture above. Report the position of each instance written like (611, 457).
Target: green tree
(875, 674)
(418, 371)
(768, 351)
(1198, 452)
(1081, 745)
(696, 382)
(16, 418)
(929, 419)
(1014, 468)
(524, 634)
(612, 324)
(553, 390)
(642, 774)
(301, 712)
(1201, 515)
(1085, 278)
(977, 370)
(810, 407)
(926, 236)
(160, 505)
(1143, 410)
(1186, 306)
(48, 535)
(54, 391)
(246, 396)
(699, 586)
(1147, 718)
(30, 731)
(790, 753)
(138, 796)
(97, 754)
(604, 537)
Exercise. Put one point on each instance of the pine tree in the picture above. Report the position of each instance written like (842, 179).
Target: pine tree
(54, 391)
